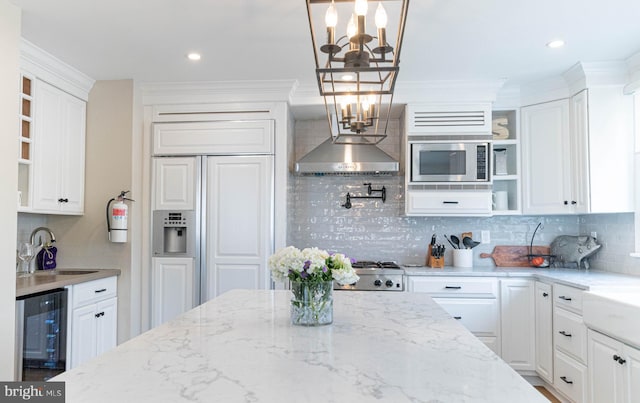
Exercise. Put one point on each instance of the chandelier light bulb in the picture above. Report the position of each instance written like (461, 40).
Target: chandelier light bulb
(351, 26)
(331, 16)
(361, 7)
(381, 16)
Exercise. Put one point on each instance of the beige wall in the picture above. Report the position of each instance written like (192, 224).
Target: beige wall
(82, 241)
(9, 82)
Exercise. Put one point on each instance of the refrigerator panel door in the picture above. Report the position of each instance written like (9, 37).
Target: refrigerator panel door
(239, 194)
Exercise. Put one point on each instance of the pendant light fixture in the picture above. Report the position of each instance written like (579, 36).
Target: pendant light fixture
(355, 69)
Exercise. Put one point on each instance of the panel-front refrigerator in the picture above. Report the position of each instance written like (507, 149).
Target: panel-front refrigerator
(212, 229)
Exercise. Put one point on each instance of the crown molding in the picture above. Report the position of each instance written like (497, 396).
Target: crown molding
(545, 90)
(447, 91)
(633, 68)
(47, 67)
(158, 93)
(592, 74)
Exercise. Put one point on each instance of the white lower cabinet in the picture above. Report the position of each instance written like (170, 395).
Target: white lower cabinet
(517, 304)
(94, 320)
(471, 300)
(570, 377)
(614, 370)
(569, 344)
(544, 331)
(174, 287)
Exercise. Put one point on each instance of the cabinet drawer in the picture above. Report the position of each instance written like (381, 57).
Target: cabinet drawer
(93, 291)
(479, 316)
(570, 334)
(570, 378)
(460, 203)
(568, 298)
(459, 287)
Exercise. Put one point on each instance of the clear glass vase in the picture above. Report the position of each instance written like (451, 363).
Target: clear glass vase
(312, 303)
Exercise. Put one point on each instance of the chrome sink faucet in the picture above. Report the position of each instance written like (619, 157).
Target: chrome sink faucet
(52, 237)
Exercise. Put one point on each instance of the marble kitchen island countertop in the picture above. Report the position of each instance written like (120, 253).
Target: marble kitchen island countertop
(241, 347)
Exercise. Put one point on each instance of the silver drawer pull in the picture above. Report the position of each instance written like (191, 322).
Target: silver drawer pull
(100, 290)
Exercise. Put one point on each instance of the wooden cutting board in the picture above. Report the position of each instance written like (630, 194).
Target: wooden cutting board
(514, 256)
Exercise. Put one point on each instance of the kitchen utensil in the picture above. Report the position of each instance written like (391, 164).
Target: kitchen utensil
(450, 243)
(469, 243)
(456, 241)
(433, 239)
(514, 256)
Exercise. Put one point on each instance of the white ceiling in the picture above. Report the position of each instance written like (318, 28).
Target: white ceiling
(147, 40)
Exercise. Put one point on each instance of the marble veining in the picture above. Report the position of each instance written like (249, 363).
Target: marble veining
(241, 347)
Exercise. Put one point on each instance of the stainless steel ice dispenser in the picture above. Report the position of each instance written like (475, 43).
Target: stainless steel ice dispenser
(174, 233)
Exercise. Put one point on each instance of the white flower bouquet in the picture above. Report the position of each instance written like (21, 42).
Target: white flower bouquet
(311, 265)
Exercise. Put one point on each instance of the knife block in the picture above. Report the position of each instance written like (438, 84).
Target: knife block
(434, 262)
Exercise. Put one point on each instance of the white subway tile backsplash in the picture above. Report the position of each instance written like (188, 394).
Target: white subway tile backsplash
(378, 231)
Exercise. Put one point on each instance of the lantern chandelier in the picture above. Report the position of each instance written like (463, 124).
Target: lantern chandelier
(358, 77)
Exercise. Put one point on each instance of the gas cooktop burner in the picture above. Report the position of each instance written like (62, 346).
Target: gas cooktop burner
(367, 264)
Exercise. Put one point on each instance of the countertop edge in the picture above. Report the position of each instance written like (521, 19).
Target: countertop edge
(583, 279)
(28, 285)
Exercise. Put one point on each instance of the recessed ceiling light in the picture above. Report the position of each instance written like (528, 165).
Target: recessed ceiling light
(194, 56)
(556, 43)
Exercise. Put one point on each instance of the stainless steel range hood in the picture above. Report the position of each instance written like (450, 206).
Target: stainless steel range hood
(346, 159)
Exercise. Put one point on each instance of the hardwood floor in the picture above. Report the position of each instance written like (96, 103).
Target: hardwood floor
(547, 394)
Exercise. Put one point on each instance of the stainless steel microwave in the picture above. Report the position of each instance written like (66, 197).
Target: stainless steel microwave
(460, 161)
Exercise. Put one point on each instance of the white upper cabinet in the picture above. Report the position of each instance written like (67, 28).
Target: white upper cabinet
(51, 158)
(213, 138)
(578, 151)
(175, 180)
(603, 122)
(59, 149)
(546, 156)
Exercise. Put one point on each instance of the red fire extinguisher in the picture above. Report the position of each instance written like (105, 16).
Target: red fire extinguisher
(117, 217)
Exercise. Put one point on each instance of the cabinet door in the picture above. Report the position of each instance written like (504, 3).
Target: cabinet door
(173, 288)
(518, 319)
(239, 233)
(72, 165)
(83, 335)
(106, 325)
(544, 331)
(545, 156)
(579, 146)
(605, 372)
(47, 147)
(175, 182)
(632, 374)
(59, 150)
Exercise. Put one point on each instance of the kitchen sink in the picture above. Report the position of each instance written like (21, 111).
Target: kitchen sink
(615, 312)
